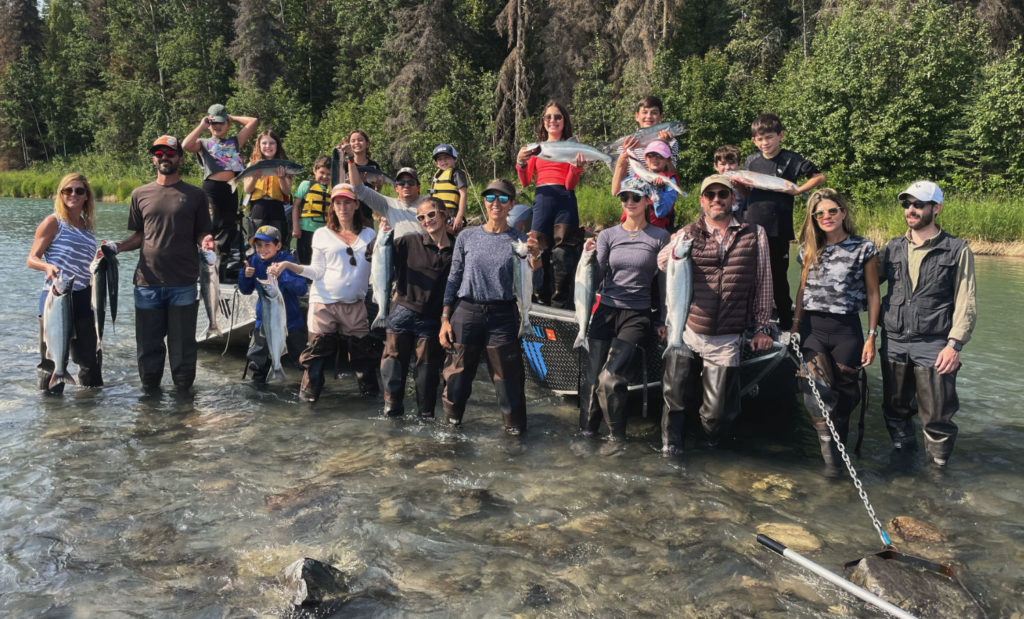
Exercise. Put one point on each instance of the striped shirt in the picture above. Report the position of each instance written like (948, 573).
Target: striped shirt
(72, 251)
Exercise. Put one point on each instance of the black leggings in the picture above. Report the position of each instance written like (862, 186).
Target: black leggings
(836, 335)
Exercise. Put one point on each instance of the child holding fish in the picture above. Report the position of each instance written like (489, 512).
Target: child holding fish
(627, 263)
(261, 357)
(658, 173)
(268, 193)
(63, 249)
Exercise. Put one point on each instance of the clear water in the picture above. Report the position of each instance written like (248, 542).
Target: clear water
(116, 504)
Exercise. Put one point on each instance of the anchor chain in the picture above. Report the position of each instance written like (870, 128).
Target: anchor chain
(794, 343)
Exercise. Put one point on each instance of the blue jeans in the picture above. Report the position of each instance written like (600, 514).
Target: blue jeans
(159, 297)
(404, 320)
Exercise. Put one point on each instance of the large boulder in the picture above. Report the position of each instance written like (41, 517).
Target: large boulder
(919, 591)
(314, 582)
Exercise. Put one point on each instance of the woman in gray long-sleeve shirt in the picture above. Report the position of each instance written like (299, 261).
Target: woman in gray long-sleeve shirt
(480, 312)
(627, 263)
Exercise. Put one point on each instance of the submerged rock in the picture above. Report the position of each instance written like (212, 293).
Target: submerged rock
(918, 591)
(907, 529)
(314, 581)
(792, 535)
(536, 596)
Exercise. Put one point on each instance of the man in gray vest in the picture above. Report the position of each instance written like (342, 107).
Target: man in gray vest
(928, 313)
(732, 289)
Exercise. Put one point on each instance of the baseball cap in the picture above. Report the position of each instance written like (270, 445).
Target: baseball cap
(343, 189)
(659, 148)
(635, 185)
(445, 149)
(716, 179)
(266, 233)
(166, 140)
(500, 185)
(410, 171)
(925, 191)
(218, 113)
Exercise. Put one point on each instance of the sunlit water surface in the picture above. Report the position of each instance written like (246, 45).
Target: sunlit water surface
(114, 503)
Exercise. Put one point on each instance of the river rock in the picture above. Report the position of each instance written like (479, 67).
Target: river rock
(918, 591)
(314, 581)
(792, 535)
(435, 465)
(770, 488)
(536, 596)
(907, 529)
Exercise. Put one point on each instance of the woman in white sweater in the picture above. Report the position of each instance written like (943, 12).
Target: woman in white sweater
(340, 275)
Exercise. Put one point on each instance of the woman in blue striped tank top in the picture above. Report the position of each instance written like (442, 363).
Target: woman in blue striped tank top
(65, 244)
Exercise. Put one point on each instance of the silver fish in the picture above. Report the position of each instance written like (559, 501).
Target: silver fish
(380, 276)
(565, 151)
(645, 136)
(678, 291)
(104, 288)
(209, 290)
(275, 323)
(267, 167)
(761, 181)
(584, 294)
(522, 277)
(646, 175)
(374, 176)
(57, 328)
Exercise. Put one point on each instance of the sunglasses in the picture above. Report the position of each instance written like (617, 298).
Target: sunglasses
(427, 215)
(916, 205)
(831, 212)
(406, 183)
(491, 197)
(165, 154)
(630, 197)
(78, 191)
(555, 117)
(721, 194)
(351, 256)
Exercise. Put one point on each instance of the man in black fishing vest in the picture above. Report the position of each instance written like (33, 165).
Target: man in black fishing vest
(928, 312)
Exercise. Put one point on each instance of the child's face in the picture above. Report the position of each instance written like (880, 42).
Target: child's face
(267, 249)
(322, 175)
(444, 162)
(655, 162)
(358, 142)
(554, 123)
(769, 143)
(268, 147)
(725, 164)
(648, 116)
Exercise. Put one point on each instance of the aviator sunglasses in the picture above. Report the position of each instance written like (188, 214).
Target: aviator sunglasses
(427, 215)
(490, 198)
(631, 197)
(351, 256)
(831, 212)
(78, 191)
(721, 194)
(554, 117)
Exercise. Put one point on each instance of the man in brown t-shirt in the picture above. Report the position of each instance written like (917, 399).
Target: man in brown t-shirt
(168, 218)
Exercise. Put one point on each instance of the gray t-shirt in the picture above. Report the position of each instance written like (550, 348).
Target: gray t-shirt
(627, 266)
(401, 216)
(482, 266)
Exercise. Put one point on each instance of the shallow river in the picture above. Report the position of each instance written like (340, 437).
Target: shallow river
(112, 503)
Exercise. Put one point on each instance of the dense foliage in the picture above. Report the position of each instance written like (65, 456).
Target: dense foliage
(875, 92)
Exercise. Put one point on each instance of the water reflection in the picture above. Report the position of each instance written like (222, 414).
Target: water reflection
(116, 503)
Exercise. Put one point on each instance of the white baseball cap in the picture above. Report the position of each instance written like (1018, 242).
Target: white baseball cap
(925, 191)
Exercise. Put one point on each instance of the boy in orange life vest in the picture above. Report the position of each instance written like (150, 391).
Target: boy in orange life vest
(309, 208)
(450, 184)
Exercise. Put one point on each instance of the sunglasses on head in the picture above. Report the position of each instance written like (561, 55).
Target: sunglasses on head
(914, 204)
(78, 191)
(721, 194)
(427, 215)
(351, 256)
(555, 117)
(491, 197)
(831, 212)
(630, 197)
(406, 183)
(163, 154)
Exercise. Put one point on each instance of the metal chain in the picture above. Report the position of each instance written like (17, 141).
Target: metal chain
(795, 344)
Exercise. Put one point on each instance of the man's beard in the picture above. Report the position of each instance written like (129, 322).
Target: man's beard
(926, 218)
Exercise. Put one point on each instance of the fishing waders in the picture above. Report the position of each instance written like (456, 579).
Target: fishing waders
(840, 393)
(564, 257)
(505, 363)
(590, 408)
(459, 371)
(150, 331)
(427, 374)
(612, 387)
(394, 367)
(182, 349)
(680, 382)
(319, 350)
(365, 360)
(721, 404)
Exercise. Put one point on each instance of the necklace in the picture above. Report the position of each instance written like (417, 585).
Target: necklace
(632, 233)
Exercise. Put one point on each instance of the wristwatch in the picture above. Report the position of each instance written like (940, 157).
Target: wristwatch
(955, 345)
(765, 330)
(873, 332)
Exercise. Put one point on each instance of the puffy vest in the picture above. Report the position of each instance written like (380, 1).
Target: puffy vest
(444, 188)
(723, 288)
(926, 311)
(316, 203)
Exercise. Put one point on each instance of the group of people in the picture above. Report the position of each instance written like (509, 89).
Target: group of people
(454, 289)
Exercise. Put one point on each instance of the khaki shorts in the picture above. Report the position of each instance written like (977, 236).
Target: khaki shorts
(348, 319)
(720, 350)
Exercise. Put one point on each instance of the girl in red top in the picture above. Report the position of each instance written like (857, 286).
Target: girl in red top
(556, 218)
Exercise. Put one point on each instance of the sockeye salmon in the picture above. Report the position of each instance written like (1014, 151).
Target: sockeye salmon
(584, 294)
(522, 276)
(57, 328)
(678, 292)
(274, 325)
(380, 276)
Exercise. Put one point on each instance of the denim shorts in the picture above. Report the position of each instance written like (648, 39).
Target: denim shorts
(160, 297)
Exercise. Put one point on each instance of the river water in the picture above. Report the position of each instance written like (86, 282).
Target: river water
(112, 503)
